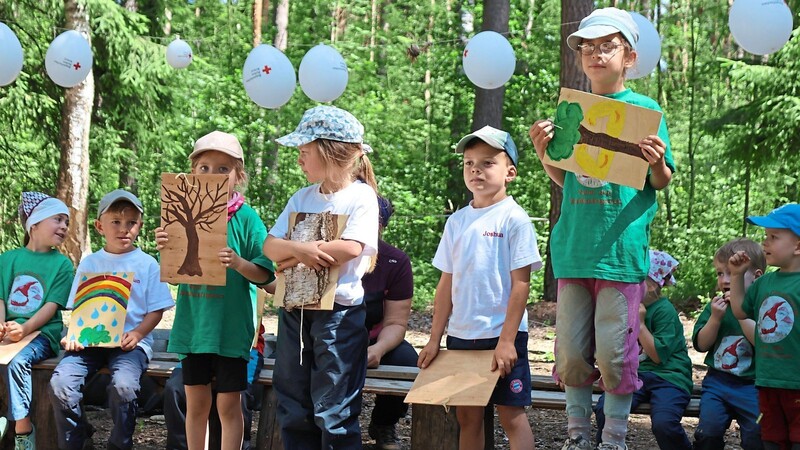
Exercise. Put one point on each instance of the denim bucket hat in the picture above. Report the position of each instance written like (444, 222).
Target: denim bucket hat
(326, 122)
(605, 22)
(493, 137)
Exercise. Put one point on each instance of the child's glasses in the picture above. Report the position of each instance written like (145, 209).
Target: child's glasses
(606, 48)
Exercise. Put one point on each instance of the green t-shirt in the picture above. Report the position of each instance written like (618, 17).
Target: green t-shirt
(663, 322)
(30, 279)
(773, 301)
(604, 229)
(732, 352)
(219, 319)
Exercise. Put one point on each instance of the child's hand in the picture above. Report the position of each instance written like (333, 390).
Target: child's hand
(738, 263)
(719, 305)
(504, 358)
(130, 339)
(71, 346)
(162, 237)
(2, 331)
(653, 149)
(428, 354)
(15, 331)
(229, 258)
(642, 314)
(541, 134)
(280, 266)
(310, 255)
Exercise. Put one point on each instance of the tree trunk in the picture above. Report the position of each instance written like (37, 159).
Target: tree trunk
(257, 10)
(572, 76)
(489, 102)
(607, 142)
(282, 25)
(191, 263)
(73, 170)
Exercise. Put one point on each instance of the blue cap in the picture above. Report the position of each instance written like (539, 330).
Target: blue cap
(786, 217)
(498, 139)
(605, 22)
(326, 122)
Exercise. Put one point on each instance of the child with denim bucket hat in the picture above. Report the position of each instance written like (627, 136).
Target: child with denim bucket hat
(665, 369)
(773, 301)
(34, 287)
(321, 356)
(214, 325)
(486, 256)
(601, 269)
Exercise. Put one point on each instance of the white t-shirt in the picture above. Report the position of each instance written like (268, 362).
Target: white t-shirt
(480, 247)
(148, 293)
(360, 203)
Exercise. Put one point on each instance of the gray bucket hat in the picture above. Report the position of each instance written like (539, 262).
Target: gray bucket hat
(326, 122)
(604, 22)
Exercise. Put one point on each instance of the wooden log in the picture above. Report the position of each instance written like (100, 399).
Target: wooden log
(42, 411)
(432, 427)
(268, 436)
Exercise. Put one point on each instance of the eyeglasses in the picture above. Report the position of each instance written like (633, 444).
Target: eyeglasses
(606, 48)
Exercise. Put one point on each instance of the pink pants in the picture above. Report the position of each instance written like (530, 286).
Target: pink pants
(598, 321)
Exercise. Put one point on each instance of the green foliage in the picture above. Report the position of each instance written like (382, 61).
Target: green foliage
(94, 336)
(566, 134)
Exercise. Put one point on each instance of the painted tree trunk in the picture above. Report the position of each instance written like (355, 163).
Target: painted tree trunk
(73, 169)
(489, 102)
(191, 263)
(605, 141)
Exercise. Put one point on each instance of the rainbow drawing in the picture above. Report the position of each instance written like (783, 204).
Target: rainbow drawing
(99, 309)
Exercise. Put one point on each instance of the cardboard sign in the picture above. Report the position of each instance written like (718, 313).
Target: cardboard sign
(302, 286)
(456, 378)
(99, 309)
(8, 349)
(598, 137)
(194, 211)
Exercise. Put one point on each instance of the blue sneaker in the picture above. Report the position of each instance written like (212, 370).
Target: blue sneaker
(25, 441)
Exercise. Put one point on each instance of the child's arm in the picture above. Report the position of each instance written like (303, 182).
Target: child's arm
(738, 264)
(149, 322)
(249, 270)
(442, 307)
(18, 331)
(505, 354)
(646, 338)
(749, 330)
(288, 253)
(654, 149)
(541, 133)
(707, 336)
(2, 320)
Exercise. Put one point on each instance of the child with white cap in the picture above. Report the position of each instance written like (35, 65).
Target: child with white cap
(321, 356)
(34, 286)
(601, 268)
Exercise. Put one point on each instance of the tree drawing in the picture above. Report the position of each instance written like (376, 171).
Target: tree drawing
(195, 205)
(569, 132)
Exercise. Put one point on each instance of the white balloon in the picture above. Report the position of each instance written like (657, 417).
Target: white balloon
(323, 74)
(179, 54)
(489, 60)
(68, 59)
(760, 27)
(268, 77)
(648, 48)
(10, 55)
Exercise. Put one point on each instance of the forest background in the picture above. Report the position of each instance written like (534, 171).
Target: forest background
(733, 117)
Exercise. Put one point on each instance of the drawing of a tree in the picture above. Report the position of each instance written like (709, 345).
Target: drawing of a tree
(195, 206)
(569, 131)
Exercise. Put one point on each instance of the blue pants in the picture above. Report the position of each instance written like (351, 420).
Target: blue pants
(667, 402)
(726, 397)
(175, 406)
(391, 408)
(320, 400)
(19, 378)
(67, 384)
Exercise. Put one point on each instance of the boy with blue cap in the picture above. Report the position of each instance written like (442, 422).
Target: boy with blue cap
(486, 256)
(773, 301)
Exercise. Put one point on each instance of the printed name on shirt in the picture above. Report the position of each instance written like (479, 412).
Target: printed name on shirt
(492, 234)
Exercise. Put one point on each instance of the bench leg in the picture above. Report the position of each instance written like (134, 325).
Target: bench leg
(268, 436)
(42, 411)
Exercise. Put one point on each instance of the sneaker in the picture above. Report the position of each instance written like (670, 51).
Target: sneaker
(608, 446)
(577, 443)
(385, 437)
(25, 441)
(3, 427)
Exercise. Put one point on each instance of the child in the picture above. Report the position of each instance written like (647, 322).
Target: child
(486, 256)
(34, 285)
(664, 365)
(773, 301)
(729, 390)
(119, 221)
(214, 325)
(601, 268)
(321, 356)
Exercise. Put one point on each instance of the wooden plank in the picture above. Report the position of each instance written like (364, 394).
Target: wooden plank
(8, 349)
(456, 378)
(99, 309)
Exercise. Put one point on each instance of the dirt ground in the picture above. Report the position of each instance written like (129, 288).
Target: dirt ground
(549, 426)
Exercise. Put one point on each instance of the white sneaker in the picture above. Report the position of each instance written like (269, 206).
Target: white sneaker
(578, 443)
(3, 427)
(608, 446)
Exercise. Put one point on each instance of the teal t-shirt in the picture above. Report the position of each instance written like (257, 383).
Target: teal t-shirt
(663, 322)
(604, 229)
(773, 301)
(30, 279)
(219, 319)
(732, 352)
